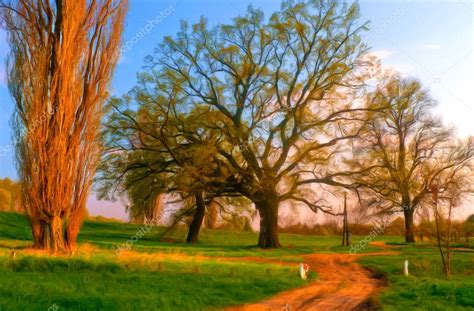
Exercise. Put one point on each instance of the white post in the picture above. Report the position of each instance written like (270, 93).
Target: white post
(405, 268)
(304, 271)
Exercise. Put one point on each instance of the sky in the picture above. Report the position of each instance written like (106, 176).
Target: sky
(429, 40)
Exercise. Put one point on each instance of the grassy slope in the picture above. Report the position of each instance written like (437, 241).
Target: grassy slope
(110, 235)
(102, 282)
(426, 288)
(33, 283)
(130, 282)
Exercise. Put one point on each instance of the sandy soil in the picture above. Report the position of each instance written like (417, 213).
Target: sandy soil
(342, 285)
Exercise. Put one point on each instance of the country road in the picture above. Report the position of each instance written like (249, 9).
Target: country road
(342, 285)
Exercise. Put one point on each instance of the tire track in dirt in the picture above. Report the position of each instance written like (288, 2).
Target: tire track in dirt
(342, 285)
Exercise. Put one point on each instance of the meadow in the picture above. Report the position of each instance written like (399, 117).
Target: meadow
(223, 269)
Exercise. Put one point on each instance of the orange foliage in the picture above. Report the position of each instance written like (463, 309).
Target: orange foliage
(60, 66)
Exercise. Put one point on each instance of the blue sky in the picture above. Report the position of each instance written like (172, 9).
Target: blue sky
(430, 40)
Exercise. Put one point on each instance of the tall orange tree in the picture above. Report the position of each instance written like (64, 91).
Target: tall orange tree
(59, 69)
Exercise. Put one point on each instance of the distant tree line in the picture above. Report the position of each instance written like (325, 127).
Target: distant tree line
(9, 195)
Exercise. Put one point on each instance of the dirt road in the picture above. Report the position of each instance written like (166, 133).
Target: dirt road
(342, 285)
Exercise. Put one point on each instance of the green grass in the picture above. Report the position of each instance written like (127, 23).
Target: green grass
(35, 283)
(167, 275)
(222, 243)
(101, 282)
(426, 288)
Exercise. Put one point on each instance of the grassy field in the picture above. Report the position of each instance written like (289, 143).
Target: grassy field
(77, 284)
(110, 235)
(174, 276)
(95, 278)
(426, 288)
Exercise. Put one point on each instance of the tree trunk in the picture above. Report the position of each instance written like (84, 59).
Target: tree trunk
(195, 227)
(348, 238)
(37, 230)
(71, 233)
(56, 236)
(409, 234)
(438, 230)
(268, 236)
(345, 228)
(73, 227)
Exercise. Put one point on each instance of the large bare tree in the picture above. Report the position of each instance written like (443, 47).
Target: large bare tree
(406, 148)
(280, 89)
(60, 65)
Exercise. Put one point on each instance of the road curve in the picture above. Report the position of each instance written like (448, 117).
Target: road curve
(342, 285)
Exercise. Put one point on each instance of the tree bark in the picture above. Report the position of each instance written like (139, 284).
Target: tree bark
(345, 241)
(409, 234)
(56, 236)
(268, 211)
(45, 238)
(438, 230)
(37, 230)
(195, 227)
(72, 230)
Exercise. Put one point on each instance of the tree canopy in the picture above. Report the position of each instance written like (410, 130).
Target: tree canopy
(408, 150)
(268, 104)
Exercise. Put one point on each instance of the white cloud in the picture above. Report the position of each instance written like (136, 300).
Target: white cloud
(382, 54)
(432, 46)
